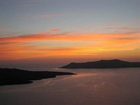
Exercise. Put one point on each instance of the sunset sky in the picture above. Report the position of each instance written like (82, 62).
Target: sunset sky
(55, 32)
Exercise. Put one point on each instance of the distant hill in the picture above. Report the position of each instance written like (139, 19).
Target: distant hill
(115, 63)
(18, 76)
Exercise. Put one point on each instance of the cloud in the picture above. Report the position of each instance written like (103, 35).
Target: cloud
(68, 37)
(54, 30)
(123, 30)
(45, 45)
(50, 15)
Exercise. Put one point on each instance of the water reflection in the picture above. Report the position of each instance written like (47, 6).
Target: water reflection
(88, 87)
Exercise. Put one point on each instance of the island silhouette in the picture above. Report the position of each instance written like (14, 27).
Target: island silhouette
(115, 63)
(10, 76)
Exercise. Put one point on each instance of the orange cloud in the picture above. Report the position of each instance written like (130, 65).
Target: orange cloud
(121, 45)
(68, 37)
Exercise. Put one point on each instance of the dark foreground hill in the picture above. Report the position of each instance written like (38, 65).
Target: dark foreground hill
(17, 76)
(104, 64)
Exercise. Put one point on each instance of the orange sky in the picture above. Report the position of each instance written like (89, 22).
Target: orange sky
(70, 45)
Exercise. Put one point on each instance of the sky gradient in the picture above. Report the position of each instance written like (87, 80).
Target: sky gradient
(61, 31)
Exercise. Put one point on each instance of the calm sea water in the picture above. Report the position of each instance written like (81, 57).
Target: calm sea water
(88, 87)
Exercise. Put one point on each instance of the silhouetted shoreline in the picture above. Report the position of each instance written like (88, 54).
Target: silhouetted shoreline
(115, 63)
(17, 76)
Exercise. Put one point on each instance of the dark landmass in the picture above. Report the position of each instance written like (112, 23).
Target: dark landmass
(17, 76)
(115, 63)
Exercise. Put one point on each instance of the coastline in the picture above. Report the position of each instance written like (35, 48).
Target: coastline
(14, 76)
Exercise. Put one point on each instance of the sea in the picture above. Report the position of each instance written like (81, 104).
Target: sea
(87, 87)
